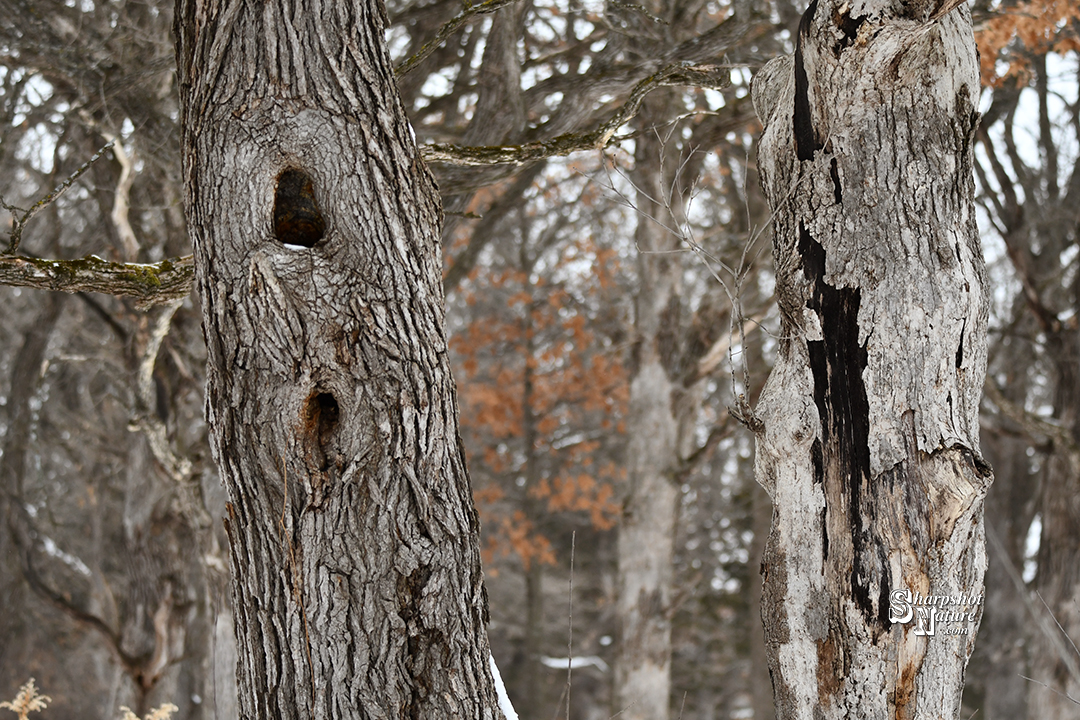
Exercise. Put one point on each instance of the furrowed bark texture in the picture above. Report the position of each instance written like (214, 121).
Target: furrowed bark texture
(870, 448)
(355, 554)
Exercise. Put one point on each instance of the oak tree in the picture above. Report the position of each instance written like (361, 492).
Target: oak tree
(354, 541)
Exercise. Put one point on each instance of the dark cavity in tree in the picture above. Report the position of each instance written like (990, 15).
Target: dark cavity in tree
(837, 362)
(838, 195)
(297, 220)
(806, 141)
(323, 414)
(850, 27)
(321, 422)
(960, 347)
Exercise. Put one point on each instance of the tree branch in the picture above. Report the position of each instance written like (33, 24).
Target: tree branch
(449, 28)
(19, 221)
(674, 75)
(150, 284)
(691, 462)
(1034, 425)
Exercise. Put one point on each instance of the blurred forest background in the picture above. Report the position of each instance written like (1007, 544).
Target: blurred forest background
(114, 585)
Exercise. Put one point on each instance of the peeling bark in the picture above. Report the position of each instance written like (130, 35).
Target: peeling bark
(355, 554)
(870, 447)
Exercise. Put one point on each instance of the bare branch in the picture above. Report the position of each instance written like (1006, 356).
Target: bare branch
(19, 222)
(675, 75)
(449, 28)
(150, 284)
(1034, 425)
(722, 429)
(179, 469)
(121, 202)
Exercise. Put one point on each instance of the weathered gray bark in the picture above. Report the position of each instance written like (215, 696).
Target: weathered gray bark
(870, 445)
(357, 583)
(760, 683)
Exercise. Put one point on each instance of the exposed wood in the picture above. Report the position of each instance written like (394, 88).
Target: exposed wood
(870, 446)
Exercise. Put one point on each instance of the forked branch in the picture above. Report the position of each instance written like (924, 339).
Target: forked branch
(20, 217)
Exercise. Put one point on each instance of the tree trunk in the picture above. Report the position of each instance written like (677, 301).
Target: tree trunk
(646, 530)
(1005, 625)
(760, 683)
(996, 682)
(869, 440)
(532, 672)
(1055, 661)
(16, 537)
(355, 554)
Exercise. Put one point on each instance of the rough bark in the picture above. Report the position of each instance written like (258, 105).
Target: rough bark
(357, 583)
(870, 446)
(760, 683)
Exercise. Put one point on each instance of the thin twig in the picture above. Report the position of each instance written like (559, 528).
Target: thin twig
(674, 75)
(18, 223)
(1025, 597)
(641, 9)
(1063, 632)
(622, 710)
(449, 28)
(1068, 697)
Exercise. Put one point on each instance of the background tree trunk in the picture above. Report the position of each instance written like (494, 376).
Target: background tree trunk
(646, 532)
(870, 446)
(355, 556)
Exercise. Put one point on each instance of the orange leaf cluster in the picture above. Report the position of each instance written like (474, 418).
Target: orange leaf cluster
(1039, 26)
(581, 492)
(516, 535)
(534, 353)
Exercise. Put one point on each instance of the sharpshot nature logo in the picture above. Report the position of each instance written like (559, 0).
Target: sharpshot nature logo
(955, 613)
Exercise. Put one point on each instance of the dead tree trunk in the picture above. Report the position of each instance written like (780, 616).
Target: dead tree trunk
(355, 555)
(870, 439)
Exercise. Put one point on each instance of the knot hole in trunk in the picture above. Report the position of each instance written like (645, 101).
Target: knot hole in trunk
(297, 220)
(321, 422)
